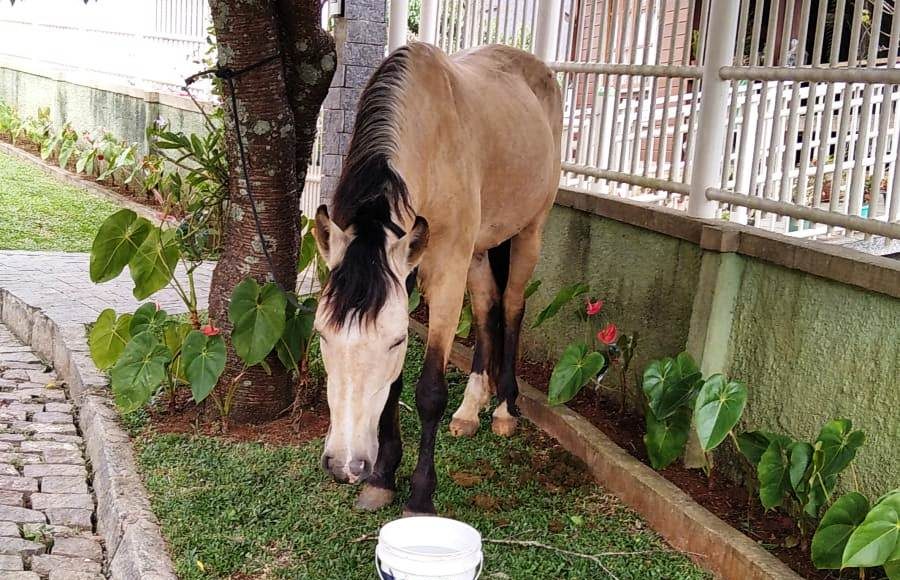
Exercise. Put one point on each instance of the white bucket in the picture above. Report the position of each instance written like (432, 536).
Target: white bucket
(428, 548)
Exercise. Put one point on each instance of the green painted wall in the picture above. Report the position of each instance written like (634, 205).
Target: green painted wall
(89, 109)
(647, 279)
(811, 350)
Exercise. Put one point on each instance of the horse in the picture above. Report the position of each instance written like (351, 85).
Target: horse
(451, 172)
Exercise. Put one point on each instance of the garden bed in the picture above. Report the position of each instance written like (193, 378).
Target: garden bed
(729, 501)
(242, 505)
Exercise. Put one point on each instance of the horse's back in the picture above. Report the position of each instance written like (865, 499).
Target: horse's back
(482, 135)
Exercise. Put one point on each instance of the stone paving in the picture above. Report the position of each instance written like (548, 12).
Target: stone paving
(59, 284)
(46, 506)
(47, 510)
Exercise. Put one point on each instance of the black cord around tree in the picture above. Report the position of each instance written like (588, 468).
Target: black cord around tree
(228, 75)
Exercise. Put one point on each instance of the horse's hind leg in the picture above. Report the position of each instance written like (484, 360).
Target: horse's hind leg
(485, 299)
(381, 487)
(524, 252)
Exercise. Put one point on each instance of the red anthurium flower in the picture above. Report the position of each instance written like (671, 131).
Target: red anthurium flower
(609, 334)
(210, 330)
(593, 308)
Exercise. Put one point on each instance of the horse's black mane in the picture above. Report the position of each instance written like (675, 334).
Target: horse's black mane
(367, 193)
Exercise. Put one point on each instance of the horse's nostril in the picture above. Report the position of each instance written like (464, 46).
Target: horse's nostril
(326, 461)
(358, 468)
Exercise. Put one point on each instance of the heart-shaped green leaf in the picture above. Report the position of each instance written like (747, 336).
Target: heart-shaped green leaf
(839, 522)
(563, 297)
(877, 539)
(174, 334)
(153, 265)
(753, 444)
(575, 368)
(257, 316)
(204, 361)
(532, 288)
(718, 408)
(464, 326)
(773, 473)
(116, 243)
(147, 318)
(671, 383)
(665, 439)
(801, 454)
(139, 371)
(892, 569)
(108, 338)
(307, 250)
(838, 444)
(298, 331)
(415, 298)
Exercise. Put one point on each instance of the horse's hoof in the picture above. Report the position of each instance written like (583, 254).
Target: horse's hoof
(373, 498)
(504, 426)
(408, 513)
(463, 427)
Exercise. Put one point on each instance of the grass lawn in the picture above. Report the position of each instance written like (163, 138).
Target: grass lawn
(246, 510)
(38, 212)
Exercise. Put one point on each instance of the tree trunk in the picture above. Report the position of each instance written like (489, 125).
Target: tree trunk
(248, 33)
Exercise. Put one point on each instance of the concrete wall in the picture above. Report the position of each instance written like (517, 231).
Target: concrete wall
(124, 111)
(647, 279)
(809, 348)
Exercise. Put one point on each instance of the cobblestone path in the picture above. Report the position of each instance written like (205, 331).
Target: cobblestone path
(46, 506)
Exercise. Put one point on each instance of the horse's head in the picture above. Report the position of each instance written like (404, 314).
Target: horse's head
(363, 323)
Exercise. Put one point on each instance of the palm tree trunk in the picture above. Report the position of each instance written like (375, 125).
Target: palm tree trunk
(277, 133)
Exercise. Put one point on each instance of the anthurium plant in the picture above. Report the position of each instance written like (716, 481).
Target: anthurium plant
(678, 397)
(149, 351)
(586, 362)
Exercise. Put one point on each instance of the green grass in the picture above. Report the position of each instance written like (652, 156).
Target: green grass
(256, 511)
(38, 212)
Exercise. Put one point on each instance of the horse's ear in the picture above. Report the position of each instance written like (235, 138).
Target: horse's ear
(408, 250)
(418, 240)
(331, 240)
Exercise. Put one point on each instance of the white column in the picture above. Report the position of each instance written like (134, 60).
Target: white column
(710, 147)
(398, 26)
(428, 21)
(546, 34)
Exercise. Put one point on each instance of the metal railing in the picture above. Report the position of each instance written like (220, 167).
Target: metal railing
(782, 114)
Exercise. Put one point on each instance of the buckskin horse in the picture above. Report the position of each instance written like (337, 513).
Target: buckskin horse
(451, 172)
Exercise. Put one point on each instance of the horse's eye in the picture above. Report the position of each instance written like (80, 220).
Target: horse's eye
(398, 343)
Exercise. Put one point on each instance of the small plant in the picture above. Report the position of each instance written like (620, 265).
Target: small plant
(851, 535)
(10, 123)
(149, 351)
(677, 396)
(63, 144)
(586, 362)
(798, 475)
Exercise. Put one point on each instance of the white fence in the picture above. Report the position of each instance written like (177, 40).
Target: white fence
(149, 44)
(797, 132)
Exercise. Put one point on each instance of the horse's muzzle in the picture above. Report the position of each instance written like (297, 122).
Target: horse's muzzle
(356, 471)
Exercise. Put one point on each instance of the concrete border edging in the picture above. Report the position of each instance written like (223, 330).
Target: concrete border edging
(685, 524)
(134, 544)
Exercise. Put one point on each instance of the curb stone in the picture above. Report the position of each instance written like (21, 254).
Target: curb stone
(135, 546)
(685, 524)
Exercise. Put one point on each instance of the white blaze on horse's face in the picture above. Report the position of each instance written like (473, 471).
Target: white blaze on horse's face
(363, 356)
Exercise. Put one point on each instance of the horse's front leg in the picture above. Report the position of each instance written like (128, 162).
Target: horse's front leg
(380, 488)
(444, 291)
